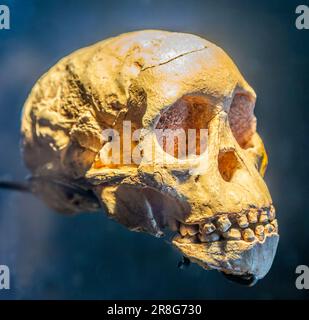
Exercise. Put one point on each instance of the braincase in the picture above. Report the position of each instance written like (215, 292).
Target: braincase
(96, 87)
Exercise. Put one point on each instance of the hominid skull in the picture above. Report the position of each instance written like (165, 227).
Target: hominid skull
(215, 200)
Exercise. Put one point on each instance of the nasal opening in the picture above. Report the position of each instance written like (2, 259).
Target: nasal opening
(228, 164)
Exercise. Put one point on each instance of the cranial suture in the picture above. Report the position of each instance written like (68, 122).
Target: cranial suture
(216, 202)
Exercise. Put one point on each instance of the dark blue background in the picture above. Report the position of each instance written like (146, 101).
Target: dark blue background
(89, 256)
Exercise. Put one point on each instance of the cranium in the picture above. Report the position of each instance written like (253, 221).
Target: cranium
(216, 202)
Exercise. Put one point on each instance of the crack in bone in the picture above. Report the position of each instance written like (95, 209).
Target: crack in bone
(172, 59)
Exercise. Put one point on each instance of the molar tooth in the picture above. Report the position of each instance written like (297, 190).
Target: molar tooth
(259, 231)
(275, 224)
(269, 228)
(242, 221)
(263, 217)
(223, 223)
(185, 239)
(207, 228)
(187, 229)
(252, 216)
(193, 229)
(209, 237)
(232, 234)
(248, 235)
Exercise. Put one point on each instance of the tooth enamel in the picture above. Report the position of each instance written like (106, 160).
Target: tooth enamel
(223, 223)
(208, 228)
(252, 216)
(259, 231)
(185, 239)
(209, 237)
(263, 217)
(242, 221)
(272, 213)
(193, 229)
(275, 224)
(232, 234)
(248, 235)
(186, 229)
(269, 228)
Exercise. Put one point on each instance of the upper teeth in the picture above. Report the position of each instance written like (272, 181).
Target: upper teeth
(248, 227)
(223, 223)
(272, 213)
(243, 221)
(207, 228)
(263, 217)
(252, 216)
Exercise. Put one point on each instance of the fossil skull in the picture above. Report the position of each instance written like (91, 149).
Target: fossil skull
(216, 202)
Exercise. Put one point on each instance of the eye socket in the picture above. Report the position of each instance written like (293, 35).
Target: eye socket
(184, 126)
(242, 120)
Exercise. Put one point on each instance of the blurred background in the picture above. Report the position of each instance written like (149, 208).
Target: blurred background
(90, 257)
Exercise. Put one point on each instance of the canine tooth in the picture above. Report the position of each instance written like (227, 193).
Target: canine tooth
(252, 216)
(259, 231)
(269, 228)
(263, 217)
(248, 235)
(186, 229)
(275, 224)
(272, 213)
(242, 221)
(208, 228)
(232, 234)
(209, 237)
(223, 223)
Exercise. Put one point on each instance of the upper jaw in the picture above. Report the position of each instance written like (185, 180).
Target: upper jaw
(240, 244)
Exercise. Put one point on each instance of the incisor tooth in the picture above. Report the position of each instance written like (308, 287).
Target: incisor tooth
(223, 223)
(272, 213)
(259, 231)
(242, 221)
(269, 228)
(252, 216)
(275, 224)
(208, 228)
(186, 229)
(263, 217)
(248, 235)
(232, 234)
(209, 237)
